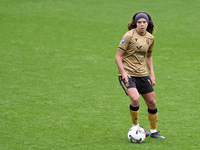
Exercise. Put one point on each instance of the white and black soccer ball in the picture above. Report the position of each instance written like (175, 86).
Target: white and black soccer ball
(136, 134)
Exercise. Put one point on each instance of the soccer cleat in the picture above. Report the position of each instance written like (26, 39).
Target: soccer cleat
(147, 133)
(157, 135)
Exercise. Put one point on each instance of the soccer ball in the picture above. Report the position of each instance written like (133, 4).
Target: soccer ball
(136, 134)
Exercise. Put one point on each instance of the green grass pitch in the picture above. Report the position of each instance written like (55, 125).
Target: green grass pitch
(58, 79)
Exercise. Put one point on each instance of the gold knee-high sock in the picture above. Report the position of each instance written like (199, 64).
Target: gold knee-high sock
(134, 116)
(153, 119)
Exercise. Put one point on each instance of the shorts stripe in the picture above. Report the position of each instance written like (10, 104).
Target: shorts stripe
(122, 84)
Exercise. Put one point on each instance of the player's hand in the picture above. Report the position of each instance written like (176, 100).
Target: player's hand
(125, 76)
(152, 79)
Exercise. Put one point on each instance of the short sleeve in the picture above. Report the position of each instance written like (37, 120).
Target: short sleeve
(124, 42)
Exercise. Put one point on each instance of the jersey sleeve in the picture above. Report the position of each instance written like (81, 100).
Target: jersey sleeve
(124, 42)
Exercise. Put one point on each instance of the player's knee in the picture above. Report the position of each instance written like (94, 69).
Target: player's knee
(152, 102)
(135, 99)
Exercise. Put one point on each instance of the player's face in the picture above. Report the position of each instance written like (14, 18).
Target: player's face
(142, 26)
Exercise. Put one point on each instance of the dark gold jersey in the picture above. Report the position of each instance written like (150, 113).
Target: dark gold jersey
(135, 48)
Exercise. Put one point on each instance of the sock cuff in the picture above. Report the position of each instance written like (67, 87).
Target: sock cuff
(134, 108)
(153, 131)
(152, 111)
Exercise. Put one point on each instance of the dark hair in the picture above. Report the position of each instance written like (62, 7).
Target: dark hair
(133, 24)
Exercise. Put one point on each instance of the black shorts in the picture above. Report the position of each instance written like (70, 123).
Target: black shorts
(142, 84)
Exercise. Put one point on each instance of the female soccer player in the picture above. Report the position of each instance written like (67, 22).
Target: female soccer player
(135, 47)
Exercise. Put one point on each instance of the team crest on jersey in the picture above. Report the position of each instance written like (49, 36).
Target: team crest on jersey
(123, 41)
(147, 40)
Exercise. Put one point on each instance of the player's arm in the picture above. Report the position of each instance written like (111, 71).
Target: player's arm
(149, 62)
(118, 61)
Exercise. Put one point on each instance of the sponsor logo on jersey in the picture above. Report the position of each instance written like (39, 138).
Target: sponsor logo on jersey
(123, 41)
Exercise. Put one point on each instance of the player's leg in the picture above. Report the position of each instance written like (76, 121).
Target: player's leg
(152, 110)
(134, 106)
(131, 91)
(152, 113)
